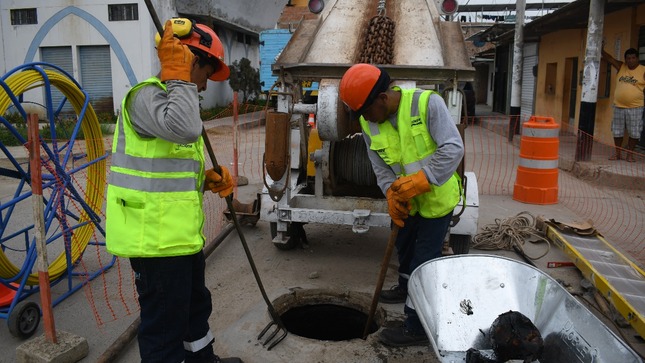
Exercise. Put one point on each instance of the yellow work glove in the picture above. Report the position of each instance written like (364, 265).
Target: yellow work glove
(408, 187)
(219, 183)
(398, 210)
(175, 58)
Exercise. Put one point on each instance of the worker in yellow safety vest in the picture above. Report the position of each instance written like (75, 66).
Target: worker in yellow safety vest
(154, 211)
(414, 148)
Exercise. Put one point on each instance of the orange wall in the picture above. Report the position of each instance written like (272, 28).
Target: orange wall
(620, 32)
(555, 48)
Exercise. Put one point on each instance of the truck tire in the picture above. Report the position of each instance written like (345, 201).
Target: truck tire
(292, 241)
(460, 243)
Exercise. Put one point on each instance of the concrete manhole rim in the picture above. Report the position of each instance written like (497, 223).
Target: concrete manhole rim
(358, 301)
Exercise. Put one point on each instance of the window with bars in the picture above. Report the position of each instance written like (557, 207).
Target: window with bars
(122, 12)
(24, 16)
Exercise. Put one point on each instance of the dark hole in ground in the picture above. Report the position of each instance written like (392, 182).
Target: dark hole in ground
(326, 322)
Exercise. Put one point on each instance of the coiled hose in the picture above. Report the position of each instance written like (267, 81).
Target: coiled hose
(30, 79)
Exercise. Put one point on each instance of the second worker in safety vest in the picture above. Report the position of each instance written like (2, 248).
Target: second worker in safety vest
(415, 148)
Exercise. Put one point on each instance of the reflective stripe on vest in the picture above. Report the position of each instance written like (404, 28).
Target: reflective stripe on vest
(152, 184)
(412, 132)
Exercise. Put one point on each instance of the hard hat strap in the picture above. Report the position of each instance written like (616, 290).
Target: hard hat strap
(205, 39)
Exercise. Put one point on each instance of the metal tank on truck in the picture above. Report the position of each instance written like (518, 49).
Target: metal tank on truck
(332, 181)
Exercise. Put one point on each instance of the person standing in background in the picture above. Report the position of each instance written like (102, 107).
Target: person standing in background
(628, 102)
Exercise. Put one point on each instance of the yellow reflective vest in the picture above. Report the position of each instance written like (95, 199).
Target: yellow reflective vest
(154, 194)
(409, 148)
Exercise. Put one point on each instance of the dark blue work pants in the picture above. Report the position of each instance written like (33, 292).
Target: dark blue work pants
(175, 307)
(420, 240)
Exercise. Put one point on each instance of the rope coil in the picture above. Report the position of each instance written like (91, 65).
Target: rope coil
(504, 234)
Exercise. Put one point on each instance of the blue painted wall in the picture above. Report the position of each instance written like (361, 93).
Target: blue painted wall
(271, 44)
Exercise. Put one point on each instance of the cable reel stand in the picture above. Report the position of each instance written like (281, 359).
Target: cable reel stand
(73, 184)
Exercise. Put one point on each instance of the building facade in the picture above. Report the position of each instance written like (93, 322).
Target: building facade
(108, 47)
(561, 61)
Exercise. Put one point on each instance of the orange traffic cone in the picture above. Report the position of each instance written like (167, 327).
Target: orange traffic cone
(312, 121)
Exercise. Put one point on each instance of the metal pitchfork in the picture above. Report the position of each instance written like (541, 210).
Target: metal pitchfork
(275, 318)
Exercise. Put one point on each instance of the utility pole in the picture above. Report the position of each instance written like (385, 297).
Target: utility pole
(516, 86)
(587, 121)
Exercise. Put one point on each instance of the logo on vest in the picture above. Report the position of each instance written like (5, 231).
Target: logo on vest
(183, 146)
(416, 121)
(383, 155)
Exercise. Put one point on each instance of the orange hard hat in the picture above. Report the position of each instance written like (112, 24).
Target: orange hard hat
(361, 84)
(200, 36)
(205, 39)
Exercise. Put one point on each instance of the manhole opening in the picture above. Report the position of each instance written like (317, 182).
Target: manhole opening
(327, 322)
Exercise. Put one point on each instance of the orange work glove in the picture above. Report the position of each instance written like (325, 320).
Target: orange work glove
(175, 58)
(408, 187)
(398, 210)
(219, 183)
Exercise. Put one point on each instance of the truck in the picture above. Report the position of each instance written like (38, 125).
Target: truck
(332, 181)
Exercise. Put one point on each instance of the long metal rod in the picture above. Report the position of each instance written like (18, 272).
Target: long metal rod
(381, 277)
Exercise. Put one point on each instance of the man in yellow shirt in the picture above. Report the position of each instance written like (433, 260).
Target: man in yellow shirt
(628, 101)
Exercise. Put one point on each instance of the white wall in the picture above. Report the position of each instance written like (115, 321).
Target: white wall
(133, 57)
(85, 22)
(219, 93)
(250, 14)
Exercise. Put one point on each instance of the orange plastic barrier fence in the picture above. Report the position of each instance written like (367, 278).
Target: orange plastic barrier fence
(537, 174)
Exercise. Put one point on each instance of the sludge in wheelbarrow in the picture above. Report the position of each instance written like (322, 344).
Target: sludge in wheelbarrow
(458, 297)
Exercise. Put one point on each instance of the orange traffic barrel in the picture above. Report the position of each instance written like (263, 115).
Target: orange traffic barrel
(537, 174)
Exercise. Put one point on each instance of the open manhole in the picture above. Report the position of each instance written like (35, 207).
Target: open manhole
(327, 315)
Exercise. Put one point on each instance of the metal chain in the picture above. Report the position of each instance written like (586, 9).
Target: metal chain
(381, 8)
(379, 39)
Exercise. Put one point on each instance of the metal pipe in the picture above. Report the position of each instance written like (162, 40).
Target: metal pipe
(305, 108)
(518, 61)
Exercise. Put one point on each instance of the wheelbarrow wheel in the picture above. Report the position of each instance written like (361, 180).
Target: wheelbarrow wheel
(23, 319)
(292, 234)
(460, 243)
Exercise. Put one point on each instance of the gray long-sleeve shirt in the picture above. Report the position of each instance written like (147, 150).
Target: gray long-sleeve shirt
(172, 115)
(443, 162)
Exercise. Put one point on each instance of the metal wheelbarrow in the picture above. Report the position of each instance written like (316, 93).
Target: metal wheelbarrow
(458, 297)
